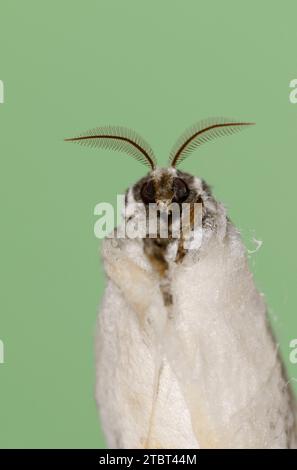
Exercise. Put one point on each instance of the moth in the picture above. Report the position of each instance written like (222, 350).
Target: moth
(185, 357)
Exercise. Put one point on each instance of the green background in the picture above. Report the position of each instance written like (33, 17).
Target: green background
(158, 67)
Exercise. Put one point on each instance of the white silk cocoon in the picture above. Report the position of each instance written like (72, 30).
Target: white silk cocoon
(207, 374)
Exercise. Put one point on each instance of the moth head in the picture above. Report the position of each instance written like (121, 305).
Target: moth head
(166, 194)
(162, 186)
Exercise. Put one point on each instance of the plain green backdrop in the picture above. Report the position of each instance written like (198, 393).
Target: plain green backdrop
(158, 67)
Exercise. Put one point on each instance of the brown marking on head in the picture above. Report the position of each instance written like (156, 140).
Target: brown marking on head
(164, 187)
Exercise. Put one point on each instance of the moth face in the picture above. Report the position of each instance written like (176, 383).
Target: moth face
(166, 186)
(164, 189)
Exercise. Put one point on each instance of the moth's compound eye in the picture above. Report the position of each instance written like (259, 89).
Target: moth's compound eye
(180, 190)
(148, 192)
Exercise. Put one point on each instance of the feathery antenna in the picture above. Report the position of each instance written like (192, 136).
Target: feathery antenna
(203, 132)
(121, 139)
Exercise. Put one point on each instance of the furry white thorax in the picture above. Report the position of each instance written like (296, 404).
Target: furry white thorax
(206, 376)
